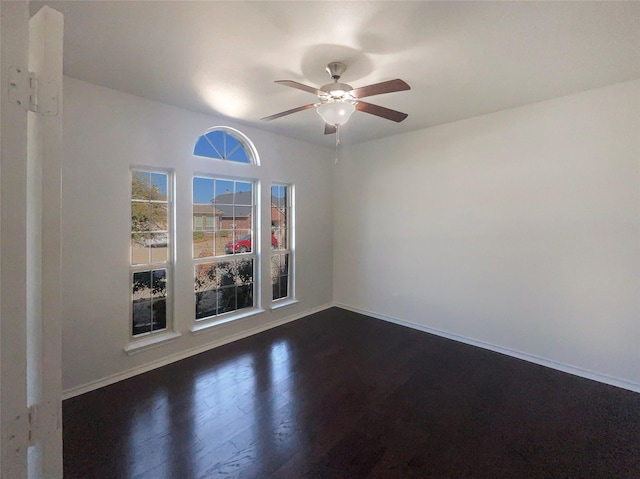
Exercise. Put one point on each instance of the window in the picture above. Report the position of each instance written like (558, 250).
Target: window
(150, 251)
(224, 143)
(281, 242)
(224, 213)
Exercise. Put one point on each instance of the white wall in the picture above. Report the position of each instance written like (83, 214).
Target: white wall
(105, 132)
(517, 230)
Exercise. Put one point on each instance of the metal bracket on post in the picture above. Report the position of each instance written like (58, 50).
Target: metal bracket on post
(31, 94)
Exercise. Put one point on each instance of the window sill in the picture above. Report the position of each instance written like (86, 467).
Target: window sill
(206, 325)
(137, 346)
(283, 304)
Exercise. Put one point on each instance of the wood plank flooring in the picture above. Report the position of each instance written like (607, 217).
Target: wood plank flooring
(341, 395)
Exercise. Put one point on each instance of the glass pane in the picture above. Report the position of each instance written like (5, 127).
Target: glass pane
(243, 193)
(275, 242)
(203, 190)
(231, 145)
(141, 298)
(141, 285)
(224, 218)
(281, 238)
(225, 273)
(279, 216)
(239, 155)
(224, 192)
(276, 289)
(225, 243)
(278, 198)
(207, 280)
(280, 276)
(140, 216)
(242, 217)
(139, 250)
(284, 286)
(140, 185)
(245, 296)
(204, 148)
(203, 217)
(159, 247)
(206, 303)
(203, 244)
(243, 272)
(159, 294)
(198, 221)
(284, 278)
(209, 222)
(159, 286)
(275, 275)
(159, 217)
(159, 185)
(242, 242)
(159, 314)
(227, 299)
(284, 238)
(216, 138)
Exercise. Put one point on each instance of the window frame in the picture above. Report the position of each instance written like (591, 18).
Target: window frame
(149, 338)
(289, 233)
(245, 143)
(254, 254)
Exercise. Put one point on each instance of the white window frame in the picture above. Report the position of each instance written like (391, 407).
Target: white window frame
(220, 318)
(245, 143)
(148, 339)
(290, 250)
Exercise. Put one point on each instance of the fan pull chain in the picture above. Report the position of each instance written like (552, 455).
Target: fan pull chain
(337, 141)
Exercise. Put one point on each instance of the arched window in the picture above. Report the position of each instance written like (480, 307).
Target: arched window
(225, 249)
(224, 143)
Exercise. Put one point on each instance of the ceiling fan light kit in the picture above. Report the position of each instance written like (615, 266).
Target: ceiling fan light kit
(337, 101)
(336, 113)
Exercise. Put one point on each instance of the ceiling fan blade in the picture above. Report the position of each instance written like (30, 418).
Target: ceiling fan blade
(299, 86)
(329, 129)
(381, 111)
(288, 112)
(380, 88)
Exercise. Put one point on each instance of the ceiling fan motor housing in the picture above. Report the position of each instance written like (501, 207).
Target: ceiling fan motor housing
(337, 91)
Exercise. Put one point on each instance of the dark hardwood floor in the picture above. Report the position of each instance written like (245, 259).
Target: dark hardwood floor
(341, 395)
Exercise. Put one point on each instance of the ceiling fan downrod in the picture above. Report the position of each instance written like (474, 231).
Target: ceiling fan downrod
(335, 70)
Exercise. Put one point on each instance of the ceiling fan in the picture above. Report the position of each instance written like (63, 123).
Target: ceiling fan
(337, 101)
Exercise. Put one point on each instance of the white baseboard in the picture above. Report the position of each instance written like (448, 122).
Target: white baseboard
(621, 383)
(114, 378)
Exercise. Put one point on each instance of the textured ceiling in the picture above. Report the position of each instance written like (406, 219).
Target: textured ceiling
(462, 59)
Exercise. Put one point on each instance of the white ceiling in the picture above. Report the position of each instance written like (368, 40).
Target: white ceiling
(461, 59)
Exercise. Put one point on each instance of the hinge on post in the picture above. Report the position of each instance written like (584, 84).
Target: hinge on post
(31, 94)
(33, 424)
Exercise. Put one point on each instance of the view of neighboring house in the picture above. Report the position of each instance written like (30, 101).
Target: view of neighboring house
(227, 211)
(230, 211)
(206, 218)
(278, 211)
